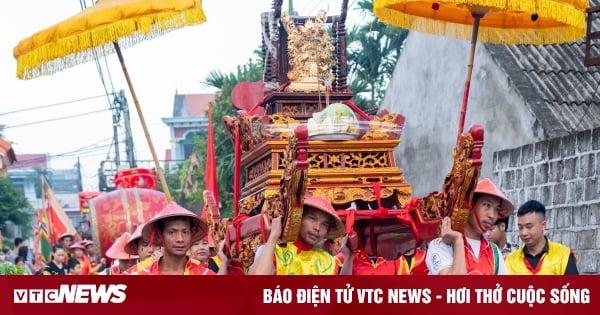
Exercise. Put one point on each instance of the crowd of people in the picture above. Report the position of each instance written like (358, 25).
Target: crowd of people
(176, 242)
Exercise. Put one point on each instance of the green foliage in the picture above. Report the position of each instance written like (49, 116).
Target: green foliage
(14, 206)
(11, 270)
(373, 50)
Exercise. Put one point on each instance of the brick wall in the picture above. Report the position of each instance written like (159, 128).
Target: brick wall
(562, 173)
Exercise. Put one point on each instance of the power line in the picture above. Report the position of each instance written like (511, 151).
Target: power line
(51, 105)
(56, 119)
(91, 147)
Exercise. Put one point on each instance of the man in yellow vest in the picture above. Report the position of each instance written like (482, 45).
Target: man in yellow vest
(539, 255)
(303, 256)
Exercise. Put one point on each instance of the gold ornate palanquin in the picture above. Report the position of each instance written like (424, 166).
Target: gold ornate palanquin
(342, 170)
(359, 185)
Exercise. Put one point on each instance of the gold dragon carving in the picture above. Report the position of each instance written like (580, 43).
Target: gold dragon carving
(251, 129)
(456, 195)
(281, 126)
(248, 204)
(212, 211)
(346, 195)
(293, 183)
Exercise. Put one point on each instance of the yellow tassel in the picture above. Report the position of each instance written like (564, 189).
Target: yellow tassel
(85, 46)
(567, 19)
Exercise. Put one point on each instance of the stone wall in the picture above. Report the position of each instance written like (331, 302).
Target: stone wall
(562, 173)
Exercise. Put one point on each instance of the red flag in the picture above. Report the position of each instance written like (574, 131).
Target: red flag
(212, 183)
(59, 222)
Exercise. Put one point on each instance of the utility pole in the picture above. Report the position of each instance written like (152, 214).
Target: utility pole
(79, 183)
(121, 100)
(128, 135)
(116, 111)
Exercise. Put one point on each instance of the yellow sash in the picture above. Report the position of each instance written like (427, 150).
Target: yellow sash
(290, 260)
(553, 262)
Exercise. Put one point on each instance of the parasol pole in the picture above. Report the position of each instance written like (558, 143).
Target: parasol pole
(463, 111)
(159, 170)
(237, 172)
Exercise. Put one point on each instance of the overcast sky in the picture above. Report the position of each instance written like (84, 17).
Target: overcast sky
(178, 61)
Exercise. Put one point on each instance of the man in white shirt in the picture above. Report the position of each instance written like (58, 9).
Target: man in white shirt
(468, 251)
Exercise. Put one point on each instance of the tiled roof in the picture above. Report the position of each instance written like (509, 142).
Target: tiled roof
(31, 161)
(186, 105)
(564, 94)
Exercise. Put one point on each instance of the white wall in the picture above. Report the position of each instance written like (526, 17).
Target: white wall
(427, 88)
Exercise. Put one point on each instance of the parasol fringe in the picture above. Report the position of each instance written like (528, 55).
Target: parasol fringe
(56, 56)
(571, 14)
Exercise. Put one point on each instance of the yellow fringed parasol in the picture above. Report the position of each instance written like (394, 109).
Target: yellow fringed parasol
(101, 30)
(492, 21)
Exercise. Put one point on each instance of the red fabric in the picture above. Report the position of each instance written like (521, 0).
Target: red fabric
(237, 224)
(302, 246)
(418, 266)
(114, 270)
(237, 163)
(364, 266)
(485, 264)
(192, 268)
(85, 264)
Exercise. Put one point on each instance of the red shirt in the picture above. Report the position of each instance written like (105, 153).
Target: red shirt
(417, 265)
(485, 264)
(364, 265)
(192, 267)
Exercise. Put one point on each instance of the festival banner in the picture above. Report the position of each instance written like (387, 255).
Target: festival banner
(290, 295)
(59, 222)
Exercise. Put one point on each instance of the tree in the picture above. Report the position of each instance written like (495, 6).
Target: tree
(222, 106)
(373, 51)
(14, 207)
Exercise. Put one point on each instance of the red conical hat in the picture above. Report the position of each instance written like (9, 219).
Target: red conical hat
(486, 186)
(323, 204)
(66, 234)
(85, 243)
(199, 226)
(77, 245)
(117, 249)
(131, 247)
